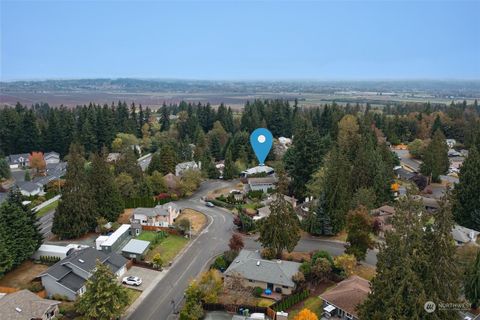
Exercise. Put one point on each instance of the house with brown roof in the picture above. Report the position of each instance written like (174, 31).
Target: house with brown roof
(25, 305)
(383, 216)
(342, 300)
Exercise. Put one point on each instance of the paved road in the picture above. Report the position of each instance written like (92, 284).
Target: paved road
(211, 242)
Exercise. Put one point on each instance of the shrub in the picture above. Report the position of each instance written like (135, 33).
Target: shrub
(322, 254)
(220, 263)
(60, 297)
(35, 287)
(257, 292)
(268, 254)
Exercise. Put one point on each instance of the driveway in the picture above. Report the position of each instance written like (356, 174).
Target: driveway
(148, 276)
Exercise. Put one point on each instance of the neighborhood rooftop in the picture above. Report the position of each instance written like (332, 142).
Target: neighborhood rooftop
(159, 210)
(24, 305)
(250, 265)
(136, 246)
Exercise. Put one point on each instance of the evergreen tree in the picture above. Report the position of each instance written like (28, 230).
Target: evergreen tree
(104, 298)
(76, 213)
(318, 221)
(28, 139)
(128, 164)
(435, 159)
(164, 118)
(466, 195)
(155, 163)
(108, 203)
(409, 273)
(4, 169)
(472, 283)
(304, 157)
(437, 125)
(168, 159)
(281, 229)
(230, 170)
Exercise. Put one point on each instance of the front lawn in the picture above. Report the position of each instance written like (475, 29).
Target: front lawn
(168, 247)
(147, 236)
(364, 271)
(313, 303)
(44, 210)
(197, 219)
(133, 295)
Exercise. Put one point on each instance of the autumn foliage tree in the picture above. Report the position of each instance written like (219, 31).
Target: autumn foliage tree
(236, 242)
(359, 228)
(306, 314)
(37, 162)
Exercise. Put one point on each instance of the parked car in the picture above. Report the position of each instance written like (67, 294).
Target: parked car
(132, 281)
(209, 204)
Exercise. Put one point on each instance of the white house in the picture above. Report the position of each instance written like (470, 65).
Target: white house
(16, 161)
(51, 157)
(184, 166)
(257, 170)
(463, 235)
(159, 216)
(265, 184)
(29, 188)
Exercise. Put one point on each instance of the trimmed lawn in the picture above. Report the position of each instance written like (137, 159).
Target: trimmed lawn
(168, 248)
(51, 206)
(147, 236)
(133, 295)
(263, 302)
(314, 304)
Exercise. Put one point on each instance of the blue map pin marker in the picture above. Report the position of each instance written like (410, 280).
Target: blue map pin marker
(261, 140)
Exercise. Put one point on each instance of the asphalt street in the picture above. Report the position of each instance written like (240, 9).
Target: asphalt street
(165, 298)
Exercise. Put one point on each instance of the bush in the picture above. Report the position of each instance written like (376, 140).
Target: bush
(60, 297)
(49, 259)
(255, 195)
(220, 263)
(322, 254)
(35, 287)
(257, 292)
(268, 254)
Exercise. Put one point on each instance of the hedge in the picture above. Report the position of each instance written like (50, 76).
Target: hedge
(145, 202)
(290, 301)
(222, 204)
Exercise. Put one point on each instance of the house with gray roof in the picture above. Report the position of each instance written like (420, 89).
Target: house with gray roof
(275, 275)
(135, 249)
(68, 277)
(30, 188)
(20, 160)
(51, 157)
(184, 166)
(463, 235)
(159, 216)
(264, 184)
(25, 305)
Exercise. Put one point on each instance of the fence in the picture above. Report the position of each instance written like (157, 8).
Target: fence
(171, 231)
(145, 202)
(46, 203)
(290, 300)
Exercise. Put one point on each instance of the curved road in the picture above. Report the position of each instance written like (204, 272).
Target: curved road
(212, 241)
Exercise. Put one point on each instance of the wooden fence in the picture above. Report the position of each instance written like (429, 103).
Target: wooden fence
(167, 230)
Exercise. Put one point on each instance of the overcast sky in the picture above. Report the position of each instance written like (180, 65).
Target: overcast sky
(248, 40)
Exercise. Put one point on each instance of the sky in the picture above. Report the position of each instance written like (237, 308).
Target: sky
(246, 40)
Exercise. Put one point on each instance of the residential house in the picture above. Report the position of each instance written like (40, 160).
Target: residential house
(184, 166)
(451, 143)
(16, 161)
(113, 157)
(135, 227)
(383, 216)
(403, 173)
(30, 188)
(159, 216)
(258, 170)
(463, 235)
(144, 161)
(26, 305)
(265, 211)
(453, 153)
(135, 249)
(455, 164)
(275, 275)
(431, 205)
(51, 157)
(342, 300)
(68, 277)
(264, 184)
(262, 212)
(114, 241)
(47, 250)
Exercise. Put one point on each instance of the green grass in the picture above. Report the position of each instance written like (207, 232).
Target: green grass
(314, 304)
(44, 210)
(147, 236)
(263, 302)
(168, 248)
(132, 295)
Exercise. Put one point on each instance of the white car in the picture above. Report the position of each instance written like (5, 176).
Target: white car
(132, 281)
